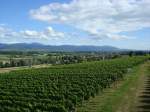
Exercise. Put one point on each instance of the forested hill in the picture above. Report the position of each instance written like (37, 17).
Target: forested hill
(64, 48)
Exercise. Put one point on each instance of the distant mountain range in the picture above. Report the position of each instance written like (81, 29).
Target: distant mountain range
(52, 48)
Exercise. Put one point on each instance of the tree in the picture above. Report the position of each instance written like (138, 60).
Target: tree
(1, 65)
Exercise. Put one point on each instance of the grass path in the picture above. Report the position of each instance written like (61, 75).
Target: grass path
(143, 96)
(122, 96)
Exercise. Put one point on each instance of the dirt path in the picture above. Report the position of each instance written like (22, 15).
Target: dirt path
(4, 70)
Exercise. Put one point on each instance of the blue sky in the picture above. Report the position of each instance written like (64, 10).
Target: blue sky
(123, 24)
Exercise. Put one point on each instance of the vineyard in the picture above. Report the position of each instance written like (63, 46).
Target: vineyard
(60, 88)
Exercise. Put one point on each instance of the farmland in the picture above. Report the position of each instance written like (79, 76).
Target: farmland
(28, 59)
(61, 88)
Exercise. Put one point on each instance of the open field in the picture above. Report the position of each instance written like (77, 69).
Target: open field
(9, 69)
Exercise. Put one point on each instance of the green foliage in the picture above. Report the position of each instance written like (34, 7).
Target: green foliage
(60, 88)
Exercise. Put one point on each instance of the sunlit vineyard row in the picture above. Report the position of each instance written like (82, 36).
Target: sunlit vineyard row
(60, 88)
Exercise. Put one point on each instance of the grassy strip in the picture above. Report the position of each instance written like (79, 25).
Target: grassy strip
(112, 98)
(131, 99)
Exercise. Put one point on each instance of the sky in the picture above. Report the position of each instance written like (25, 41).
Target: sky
(120, 23)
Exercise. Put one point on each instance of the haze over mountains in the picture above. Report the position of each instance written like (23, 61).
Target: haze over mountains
(53, 48)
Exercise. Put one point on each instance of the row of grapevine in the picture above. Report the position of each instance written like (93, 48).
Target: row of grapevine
(60, 88)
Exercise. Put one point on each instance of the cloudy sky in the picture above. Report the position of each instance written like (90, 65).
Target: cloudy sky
(120, 23)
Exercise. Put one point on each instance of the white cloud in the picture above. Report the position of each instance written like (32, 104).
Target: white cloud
(29, 33)
(5, 32)
(100, 18)
(50, 32)
(47, 34)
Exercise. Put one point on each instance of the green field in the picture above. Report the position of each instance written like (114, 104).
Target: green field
(60, 88)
